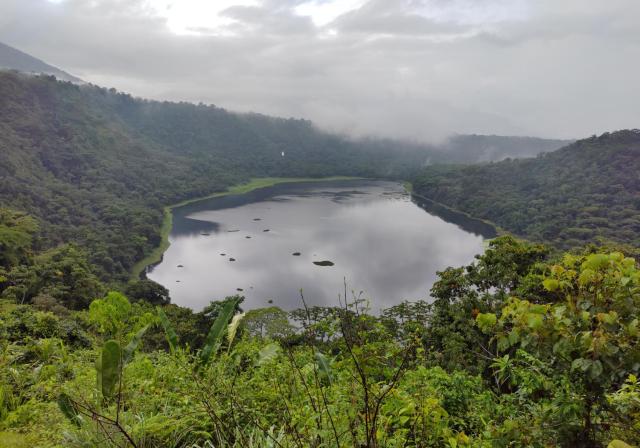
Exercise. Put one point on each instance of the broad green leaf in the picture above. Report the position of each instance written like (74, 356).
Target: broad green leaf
(268, 353)
(68, 409)
(323, 366)
(110, 368)
(595, 370)
(538, 309)
(595, 261)
(535, 321)
(170, 333)
(233, 327)
(550, 284)
(214, 338)
(632, 328)
(618, 444)
(486, 321)
(586, 277)
(133, 345)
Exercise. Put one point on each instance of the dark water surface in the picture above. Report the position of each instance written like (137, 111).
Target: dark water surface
(270, 243)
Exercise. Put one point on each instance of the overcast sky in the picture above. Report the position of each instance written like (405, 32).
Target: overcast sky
(418, 69)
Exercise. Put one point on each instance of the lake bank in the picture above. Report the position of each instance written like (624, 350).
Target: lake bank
(255, 183)
(272, 242)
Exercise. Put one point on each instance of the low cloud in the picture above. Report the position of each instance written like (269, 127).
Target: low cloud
(418, 69)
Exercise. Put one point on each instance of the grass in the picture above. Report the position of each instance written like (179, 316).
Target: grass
(167, 223)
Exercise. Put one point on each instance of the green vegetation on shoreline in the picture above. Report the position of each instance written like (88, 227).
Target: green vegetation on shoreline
(584, 193)
(262, 182)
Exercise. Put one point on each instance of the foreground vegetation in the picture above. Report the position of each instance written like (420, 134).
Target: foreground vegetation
(517, 349)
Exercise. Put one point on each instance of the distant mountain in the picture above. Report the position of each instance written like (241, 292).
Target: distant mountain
(588, 191)
(492, 148)
(13, 59)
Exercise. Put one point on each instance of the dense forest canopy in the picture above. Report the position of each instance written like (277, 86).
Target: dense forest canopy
(88, 162)
(587, 192)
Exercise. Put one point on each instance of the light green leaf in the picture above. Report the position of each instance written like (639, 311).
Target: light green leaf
(323, 366)
(214, 338)
(550, 284)
(133, 345)
(110, 368)
(535, 321)
(68, 409)
(170, 333)
(233, 327)
(618, 444)
(268, 353)
(486, 321)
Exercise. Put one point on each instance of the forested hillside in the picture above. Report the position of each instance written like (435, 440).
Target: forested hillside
(89, 163)
(586, 192)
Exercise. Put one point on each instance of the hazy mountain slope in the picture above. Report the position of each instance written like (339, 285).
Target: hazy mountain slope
(11, 58)
(487, 148)
(96, 167)
(587, 191)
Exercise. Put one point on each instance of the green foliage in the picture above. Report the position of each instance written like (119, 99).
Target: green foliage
(516, 350)
(214, 338)
(584, 193)
(109, 314)
(172, 337)
(109, 369)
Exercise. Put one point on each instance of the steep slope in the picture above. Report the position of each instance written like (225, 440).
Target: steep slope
(587, 191)
(13, 59)
(96, 166)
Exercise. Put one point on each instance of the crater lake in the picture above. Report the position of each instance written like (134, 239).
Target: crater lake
(269, 244)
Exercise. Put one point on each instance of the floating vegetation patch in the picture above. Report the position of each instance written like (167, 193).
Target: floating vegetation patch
(324, 263)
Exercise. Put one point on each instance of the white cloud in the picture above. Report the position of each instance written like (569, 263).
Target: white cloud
(323, 12)
(405, 68)
(197, 16)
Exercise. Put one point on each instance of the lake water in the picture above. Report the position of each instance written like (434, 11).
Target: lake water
(264, 245)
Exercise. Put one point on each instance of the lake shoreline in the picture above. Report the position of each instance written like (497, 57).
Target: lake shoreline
(139, 269)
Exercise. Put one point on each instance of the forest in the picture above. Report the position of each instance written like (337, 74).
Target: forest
(584, 193)
(533, 344)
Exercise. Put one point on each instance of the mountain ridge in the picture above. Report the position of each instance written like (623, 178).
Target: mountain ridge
(14, 59)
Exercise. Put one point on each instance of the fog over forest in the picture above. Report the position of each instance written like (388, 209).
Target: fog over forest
(418, 69)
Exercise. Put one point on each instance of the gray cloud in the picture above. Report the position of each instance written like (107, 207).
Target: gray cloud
(417, 69)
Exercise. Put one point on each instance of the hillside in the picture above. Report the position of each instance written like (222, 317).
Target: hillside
(89, 162)
(14, 59)
(586, 192)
